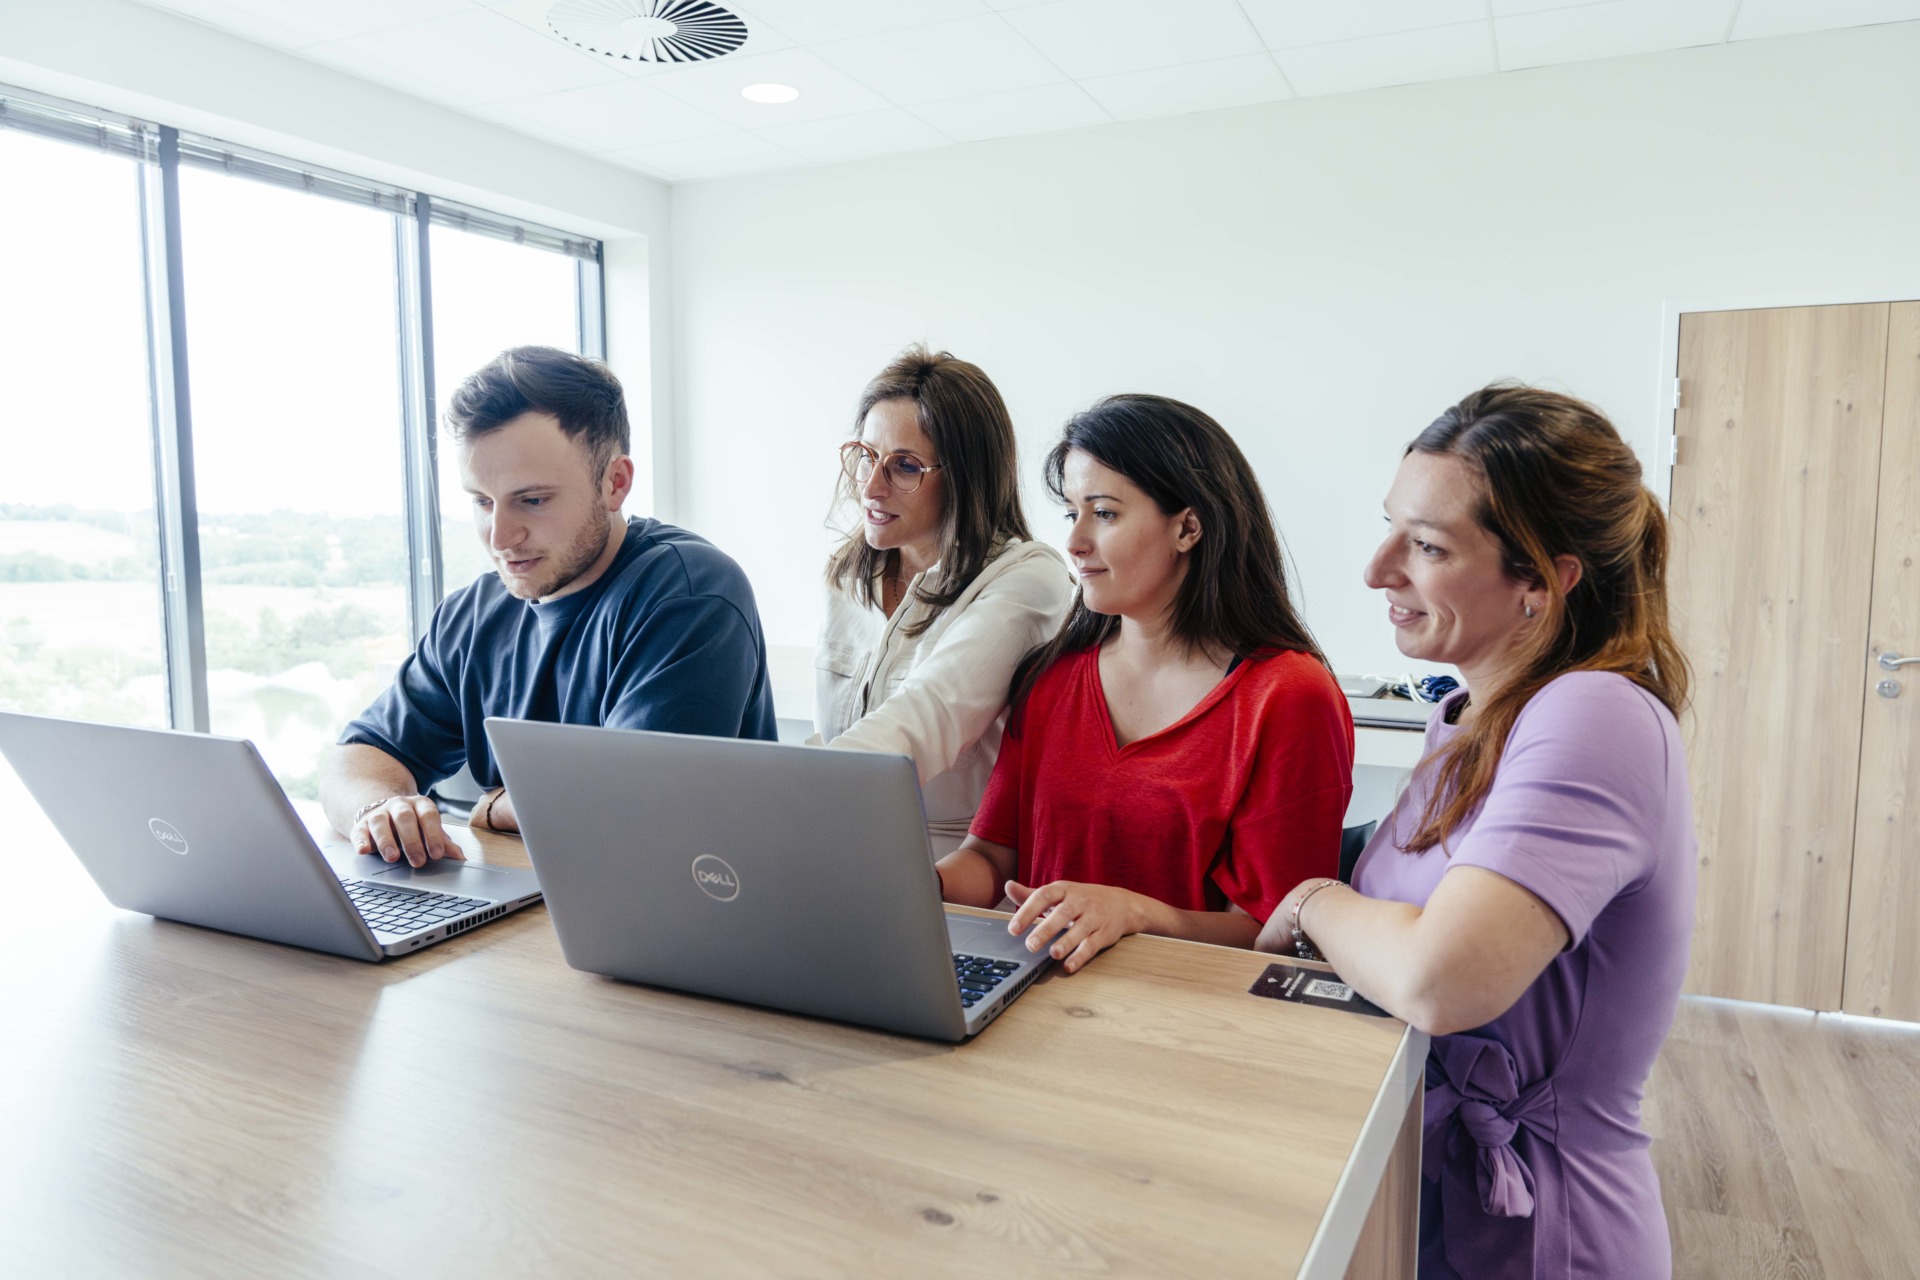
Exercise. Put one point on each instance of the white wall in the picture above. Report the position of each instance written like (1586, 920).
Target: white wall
(1323, 276)
(146, 62)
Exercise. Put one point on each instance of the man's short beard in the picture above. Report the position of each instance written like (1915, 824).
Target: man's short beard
(587, 547)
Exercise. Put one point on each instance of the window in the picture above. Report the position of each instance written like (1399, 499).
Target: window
(80, 621)
(294, 347)
(270, 589)
(488, 295)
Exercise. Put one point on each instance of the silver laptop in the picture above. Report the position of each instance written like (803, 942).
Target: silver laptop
(794, 877)
(194, 828)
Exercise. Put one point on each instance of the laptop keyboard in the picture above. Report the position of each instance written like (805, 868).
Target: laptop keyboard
(391, 910)
(979, 975)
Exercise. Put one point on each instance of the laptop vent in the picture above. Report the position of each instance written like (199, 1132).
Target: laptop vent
(461, 926)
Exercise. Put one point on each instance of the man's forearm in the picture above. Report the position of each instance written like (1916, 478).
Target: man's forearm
(493, 811)
(355, 776)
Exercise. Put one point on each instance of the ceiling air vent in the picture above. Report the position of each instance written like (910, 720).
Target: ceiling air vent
(649, 30)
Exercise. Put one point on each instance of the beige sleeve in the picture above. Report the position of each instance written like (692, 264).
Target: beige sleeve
(956, 692)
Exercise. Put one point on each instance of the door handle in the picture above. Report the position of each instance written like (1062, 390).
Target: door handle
(1893, 661)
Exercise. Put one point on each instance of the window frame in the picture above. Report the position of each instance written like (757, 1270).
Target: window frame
(158, 151)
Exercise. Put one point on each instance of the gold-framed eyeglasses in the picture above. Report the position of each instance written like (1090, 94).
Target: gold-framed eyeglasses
(905, 473)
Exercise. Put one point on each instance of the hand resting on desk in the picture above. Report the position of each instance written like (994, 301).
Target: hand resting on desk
(1081, 920)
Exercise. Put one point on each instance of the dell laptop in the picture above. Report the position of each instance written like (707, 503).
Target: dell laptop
(799, 878)
(193, 828)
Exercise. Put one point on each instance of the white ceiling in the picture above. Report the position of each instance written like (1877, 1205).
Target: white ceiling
(882, 76)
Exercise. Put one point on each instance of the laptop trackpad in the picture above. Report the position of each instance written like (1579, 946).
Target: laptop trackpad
(974, 936)
(446, 876)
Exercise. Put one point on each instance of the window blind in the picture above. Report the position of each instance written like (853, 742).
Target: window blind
(69, 122)
(124, 135)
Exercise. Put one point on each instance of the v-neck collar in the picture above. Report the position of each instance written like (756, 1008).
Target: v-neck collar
(1200, 708)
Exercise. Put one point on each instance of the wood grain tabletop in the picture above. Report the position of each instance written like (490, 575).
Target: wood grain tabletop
(179, 1101)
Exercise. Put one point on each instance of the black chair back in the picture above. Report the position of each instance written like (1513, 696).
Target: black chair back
(1353, 842)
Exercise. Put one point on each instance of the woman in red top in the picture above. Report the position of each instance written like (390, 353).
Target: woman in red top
(1179, 755)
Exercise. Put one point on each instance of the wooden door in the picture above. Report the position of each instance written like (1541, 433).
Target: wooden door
(1883, 927)
(1774, 488)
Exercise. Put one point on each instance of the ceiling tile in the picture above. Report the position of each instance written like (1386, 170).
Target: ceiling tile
(239, 21)
(1407, 57)
(1196, 86)
(817, 21)
(1001, 115)
(312, 23)
(715, 157)
(394, 77)
(957, 59)
(714, 87)
(481, 55)
(870, 133)
(1760, 18)
(609, 117)
(1507, 8)
(1286, 23)
(1106, 37)
(1609, 30)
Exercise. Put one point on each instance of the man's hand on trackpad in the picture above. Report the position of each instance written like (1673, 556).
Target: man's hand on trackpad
(404, 826)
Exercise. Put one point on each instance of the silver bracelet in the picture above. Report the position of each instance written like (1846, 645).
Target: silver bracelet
(368, 808)
(1303, 945)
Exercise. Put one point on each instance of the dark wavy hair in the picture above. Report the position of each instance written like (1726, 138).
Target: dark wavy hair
(963, 415)
(1556, 480)
(1234, 597)
(583, 394)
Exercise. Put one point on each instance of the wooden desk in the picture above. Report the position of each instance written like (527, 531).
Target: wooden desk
(175, 1102)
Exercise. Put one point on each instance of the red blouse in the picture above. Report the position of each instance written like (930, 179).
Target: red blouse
(1236, 802)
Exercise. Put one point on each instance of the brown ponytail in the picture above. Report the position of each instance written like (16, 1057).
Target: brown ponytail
(1557, 480)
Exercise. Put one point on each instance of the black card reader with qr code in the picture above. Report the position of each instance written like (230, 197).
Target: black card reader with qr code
(1313, 986)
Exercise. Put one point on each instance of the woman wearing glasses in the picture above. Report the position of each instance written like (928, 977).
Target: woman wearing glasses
(941, 590)
(1178, 755)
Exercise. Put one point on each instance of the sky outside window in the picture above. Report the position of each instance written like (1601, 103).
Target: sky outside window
(294, 350)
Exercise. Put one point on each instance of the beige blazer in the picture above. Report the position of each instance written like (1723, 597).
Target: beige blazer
(940, 697)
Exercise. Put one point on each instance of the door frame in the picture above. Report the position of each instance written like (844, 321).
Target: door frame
(1671, 309)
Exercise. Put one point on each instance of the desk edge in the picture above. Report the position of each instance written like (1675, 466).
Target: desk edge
(1331, 1249)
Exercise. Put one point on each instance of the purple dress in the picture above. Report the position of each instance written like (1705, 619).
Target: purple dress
(1534, 1160)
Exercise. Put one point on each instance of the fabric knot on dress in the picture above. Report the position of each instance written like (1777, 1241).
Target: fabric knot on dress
(1506, 1184)
(1476, 1109)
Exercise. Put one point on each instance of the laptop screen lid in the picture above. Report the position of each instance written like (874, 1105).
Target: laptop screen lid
(187, 827)
(794, 877)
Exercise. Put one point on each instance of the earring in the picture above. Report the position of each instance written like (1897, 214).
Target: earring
(1529, 609)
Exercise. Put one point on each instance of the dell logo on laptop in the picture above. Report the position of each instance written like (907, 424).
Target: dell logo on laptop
(164, 832)
(715, 878)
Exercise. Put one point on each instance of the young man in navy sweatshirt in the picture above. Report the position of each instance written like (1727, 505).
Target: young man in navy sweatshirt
(589, 618)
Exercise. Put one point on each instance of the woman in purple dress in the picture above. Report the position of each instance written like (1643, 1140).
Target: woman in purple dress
(1530, 900)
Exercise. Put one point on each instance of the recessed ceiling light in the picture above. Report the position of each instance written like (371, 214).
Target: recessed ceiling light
(773, 93)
